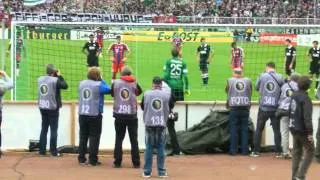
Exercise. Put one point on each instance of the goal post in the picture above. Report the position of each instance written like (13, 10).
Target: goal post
(60, 43)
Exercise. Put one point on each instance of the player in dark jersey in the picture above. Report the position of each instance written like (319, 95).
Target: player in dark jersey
(20, 48)
(237, 57)
(92, 50)
(204, 55)
(314, 57)
(290, 58)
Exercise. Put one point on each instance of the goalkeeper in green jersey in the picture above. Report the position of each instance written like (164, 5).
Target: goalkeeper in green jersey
(175, 75)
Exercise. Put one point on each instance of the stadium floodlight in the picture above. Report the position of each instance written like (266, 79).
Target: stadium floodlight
(60, 43)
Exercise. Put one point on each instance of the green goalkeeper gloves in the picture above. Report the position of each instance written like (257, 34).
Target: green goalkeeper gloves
(187, 92)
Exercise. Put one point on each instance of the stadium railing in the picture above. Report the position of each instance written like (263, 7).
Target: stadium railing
(18, 130)
(90, 17)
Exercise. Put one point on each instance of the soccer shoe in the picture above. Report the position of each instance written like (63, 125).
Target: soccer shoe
(187, 92)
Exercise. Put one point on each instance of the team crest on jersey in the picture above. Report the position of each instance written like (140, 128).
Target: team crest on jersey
(124, 94)
(44, 89)
(289, 92)
(86, 94)
(156, 104)
(270, 86)
(240, 86)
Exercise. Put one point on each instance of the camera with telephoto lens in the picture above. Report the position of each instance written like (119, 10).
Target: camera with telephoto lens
(173, 116)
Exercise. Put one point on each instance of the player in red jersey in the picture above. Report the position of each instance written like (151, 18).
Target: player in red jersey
(237, 56)
(177, 43)
(99, 36)
(118, 61)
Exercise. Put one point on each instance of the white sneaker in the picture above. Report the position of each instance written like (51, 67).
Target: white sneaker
(146, 175)
(255, 154)
(165, 175)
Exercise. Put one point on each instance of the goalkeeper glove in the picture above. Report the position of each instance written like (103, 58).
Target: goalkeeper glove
(187, 92)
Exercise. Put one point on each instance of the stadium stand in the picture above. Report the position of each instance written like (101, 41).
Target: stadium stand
(218, 8)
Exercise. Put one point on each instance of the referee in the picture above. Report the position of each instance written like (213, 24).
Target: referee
(92, 50)
(204, 55)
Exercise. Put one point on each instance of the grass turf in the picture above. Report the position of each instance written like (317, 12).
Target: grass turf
(147, 60)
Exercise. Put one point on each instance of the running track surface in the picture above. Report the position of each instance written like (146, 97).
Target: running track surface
(201, 167)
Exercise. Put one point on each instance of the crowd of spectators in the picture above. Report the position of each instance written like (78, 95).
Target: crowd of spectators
(218, 8)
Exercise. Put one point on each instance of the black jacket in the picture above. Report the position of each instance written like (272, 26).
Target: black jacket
(61, 84)
(302, 113)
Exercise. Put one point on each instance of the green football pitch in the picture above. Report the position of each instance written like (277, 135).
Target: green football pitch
(147, 60)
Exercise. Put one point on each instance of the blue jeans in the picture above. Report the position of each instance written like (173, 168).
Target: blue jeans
(49, 119)
(239, 119)
(155, 139)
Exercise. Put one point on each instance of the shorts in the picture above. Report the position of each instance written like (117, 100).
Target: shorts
(236, 66)
(117, 67)
(178, 94)
(100, 43)
(314, 68)
(92, 61)
(203, 65)
(287, 68)
(18, 58)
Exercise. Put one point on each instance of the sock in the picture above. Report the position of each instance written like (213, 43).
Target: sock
(203, 78)
(206, 78)
(317, 83)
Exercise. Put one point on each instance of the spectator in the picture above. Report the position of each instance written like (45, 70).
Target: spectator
(236, 8)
